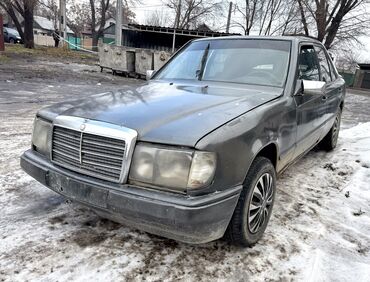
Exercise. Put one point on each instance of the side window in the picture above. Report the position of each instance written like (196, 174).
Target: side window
(308, 64)
(324, 64)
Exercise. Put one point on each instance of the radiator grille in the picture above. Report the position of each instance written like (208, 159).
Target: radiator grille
(90, 154)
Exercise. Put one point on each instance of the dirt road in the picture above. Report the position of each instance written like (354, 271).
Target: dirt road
(316, 231)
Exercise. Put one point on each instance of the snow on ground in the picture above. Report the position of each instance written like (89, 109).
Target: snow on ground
(319, 231)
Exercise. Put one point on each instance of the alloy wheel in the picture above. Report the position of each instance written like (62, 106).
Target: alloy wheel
(260, 203)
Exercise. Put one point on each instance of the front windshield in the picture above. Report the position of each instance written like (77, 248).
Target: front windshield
(247, 61)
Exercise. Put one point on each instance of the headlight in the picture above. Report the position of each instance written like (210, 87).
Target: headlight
(41, 136)
(172, 168)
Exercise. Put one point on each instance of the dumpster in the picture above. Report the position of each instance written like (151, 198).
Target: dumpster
(160, 58)
(123, 59)
(130, 60)
(105, 54)
(143, 61)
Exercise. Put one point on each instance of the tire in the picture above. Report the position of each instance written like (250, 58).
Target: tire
(244, 228)
(330, 140)
(12, 41)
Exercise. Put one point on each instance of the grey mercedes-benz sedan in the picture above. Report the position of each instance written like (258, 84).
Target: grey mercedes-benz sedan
(193, 154)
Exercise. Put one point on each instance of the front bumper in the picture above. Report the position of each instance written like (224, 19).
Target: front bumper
(188, 219)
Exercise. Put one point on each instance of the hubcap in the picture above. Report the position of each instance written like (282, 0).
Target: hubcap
(260, 203)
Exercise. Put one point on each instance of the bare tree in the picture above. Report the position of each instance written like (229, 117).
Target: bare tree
(193, 12)
(99, 10)
(25, 9)
(48, 9)
(79, 17)
(270, 17)
(249, 13)
(341, 20)
(156, 18)
(347, 60)
(94, 15)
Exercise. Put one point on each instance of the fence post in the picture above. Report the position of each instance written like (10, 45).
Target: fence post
(1, 34)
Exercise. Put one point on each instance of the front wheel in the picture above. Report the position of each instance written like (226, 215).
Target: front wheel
(254, 207)
(12, 41)
(330, 140)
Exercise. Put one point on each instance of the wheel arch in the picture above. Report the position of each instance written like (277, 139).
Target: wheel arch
(341, 105)
(269, 151)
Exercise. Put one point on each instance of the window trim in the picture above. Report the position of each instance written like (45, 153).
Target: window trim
(330, 64)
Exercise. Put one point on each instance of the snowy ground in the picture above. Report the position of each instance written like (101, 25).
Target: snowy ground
(319, 230)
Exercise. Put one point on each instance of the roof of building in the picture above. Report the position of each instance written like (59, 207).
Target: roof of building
(47, 24)
(181, 31)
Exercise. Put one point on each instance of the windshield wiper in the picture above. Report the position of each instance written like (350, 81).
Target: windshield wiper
(203, 63)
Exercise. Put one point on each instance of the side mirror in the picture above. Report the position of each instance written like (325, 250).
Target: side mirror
(149, 74)
(313, 87)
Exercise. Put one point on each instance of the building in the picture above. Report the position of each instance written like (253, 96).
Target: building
(156, 37)
(44, 26)
(362, 77)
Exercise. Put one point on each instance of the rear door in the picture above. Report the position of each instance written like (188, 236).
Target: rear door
(310, 107)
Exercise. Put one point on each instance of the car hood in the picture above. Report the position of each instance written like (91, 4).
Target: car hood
(168, 113)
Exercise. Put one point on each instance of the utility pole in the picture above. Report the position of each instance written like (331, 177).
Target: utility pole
(62, 20)
(177, 23)
(229, 17)
(119, 23)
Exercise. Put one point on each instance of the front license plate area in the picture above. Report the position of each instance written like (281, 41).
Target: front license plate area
(78, 191)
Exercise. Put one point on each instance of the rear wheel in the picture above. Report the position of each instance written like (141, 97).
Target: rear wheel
(330, 140)
(254, 207)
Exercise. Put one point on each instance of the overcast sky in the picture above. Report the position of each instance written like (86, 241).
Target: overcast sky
(148, 6)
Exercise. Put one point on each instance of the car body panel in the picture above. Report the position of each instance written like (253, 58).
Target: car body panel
(156, 109)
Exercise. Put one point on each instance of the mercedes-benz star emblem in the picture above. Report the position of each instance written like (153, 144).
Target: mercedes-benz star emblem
(82, 127)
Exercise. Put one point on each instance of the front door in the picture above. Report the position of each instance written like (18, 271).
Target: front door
(310, 107)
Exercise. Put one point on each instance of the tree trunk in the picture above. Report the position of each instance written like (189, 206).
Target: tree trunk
(95, 40)
(28, 25)
(332, 32)
(303, 18)
(320, 15)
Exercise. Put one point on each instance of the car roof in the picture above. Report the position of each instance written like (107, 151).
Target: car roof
(10, 29)
(295, 38)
